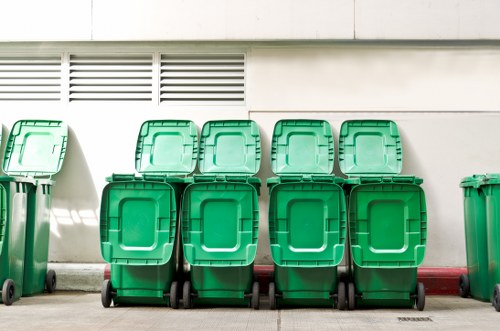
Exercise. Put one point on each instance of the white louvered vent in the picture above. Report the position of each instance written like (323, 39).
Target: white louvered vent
(114, 77)
(202, 78)
(30, 78)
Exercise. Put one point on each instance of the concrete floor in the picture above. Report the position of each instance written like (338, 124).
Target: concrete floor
(83, 311)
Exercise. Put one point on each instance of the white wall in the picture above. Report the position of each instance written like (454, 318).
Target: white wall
(444, 99)
(201, 20)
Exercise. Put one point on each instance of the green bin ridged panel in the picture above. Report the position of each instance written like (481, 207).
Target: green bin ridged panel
(370, 147)
(35, 148)
(476, 238)
(138, 223)
(388, 225)
(307, 224)
(302, 147)
(220, 223)
(492, 194)
(230, 147)
(167, 147)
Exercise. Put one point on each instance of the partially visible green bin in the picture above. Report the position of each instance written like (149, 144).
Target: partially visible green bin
(477, 281)
(36, 149)
(139, 217)
(387, 217)
(307, 216)
(220, 217)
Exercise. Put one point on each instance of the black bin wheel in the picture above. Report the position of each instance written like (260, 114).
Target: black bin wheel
(420, 299)
(496, 297)
(255, 295)
(174, 295)
(106, 297)
(464, 286)
(51, 281)
(8, 292)
(351, 296)
(186, 295)
(272, 296)
(341, 297)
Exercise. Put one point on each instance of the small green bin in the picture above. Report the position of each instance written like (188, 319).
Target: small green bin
(139, 217)
(220, 217)
(307, 217)
(477, 281)
(387, 217)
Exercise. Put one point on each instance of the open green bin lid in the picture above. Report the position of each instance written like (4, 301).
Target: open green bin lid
(370, 147)
(302, 147)
(167, 147)
(35, 148)
(230, 147)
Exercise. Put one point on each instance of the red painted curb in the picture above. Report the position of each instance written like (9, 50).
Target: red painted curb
(437, 281)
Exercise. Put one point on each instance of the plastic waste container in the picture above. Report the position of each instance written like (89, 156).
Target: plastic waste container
(387, 217)
(139, 217)
(220, 217)
(36, 149)
(477, 281)
(307, 217)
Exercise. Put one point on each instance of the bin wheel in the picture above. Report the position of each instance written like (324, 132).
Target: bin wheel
(106, 294)
(341, 298)
(255, 295)
(351, 296)
(186, 295)
(51, 281)
(174, 295)
(8, 292)
(272, 296)
(496, 297)
(420, 300)
(464, 286)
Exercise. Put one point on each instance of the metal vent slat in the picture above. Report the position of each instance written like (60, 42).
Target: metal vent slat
(198, 78)
(120, 77)
(30, 78)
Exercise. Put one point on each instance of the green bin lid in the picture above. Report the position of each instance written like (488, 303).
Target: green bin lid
(491, 179)
(302, 147)
(35, 148)
(370, 147)
(472, 181)
(168, 147)
(230, 147)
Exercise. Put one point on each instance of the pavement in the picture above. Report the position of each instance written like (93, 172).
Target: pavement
(76, 310)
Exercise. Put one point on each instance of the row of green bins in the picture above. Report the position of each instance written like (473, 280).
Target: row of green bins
(220, 217)
(482, 225)
(307, 217)
(139, 217)
(386, 215)
(34, 152)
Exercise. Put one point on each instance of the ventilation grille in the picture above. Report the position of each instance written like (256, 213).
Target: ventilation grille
(121, 77)
(30, 78)
(202, 78)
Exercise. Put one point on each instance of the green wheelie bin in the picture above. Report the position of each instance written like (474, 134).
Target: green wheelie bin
(307, 217)
(36, 149)
(387, 217)
(477, 281)
(139, 217)
(220, 217)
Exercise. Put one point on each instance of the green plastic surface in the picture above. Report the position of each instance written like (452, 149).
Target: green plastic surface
(476, 237)
(13, 207)
(35, 148)
(305, 286)
(167, 147)
(370, 147)
(138, 222)
(385, 287)
(222, 285)
(37, 237)
(230, 147)
(307, 224)
(388, 225)
(302, 147)
(220, 224)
